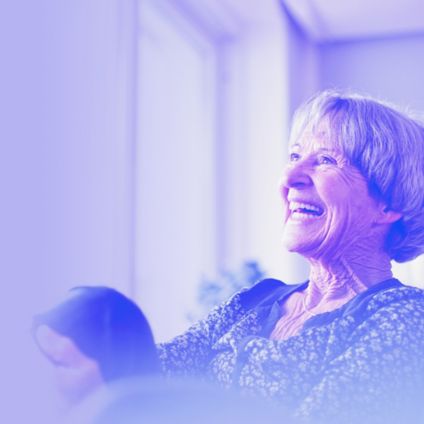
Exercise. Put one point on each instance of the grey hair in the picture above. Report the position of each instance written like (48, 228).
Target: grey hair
(387, 146)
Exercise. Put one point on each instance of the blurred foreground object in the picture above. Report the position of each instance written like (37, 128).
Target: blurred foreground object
(95, 336)
(154, 401)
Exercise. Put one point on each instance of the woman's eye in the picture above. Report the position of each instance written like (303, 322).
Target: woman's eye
(294, 157)
(326, 160)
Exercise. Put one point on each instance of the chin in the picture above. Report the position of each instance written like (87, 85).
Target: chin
(295, 244)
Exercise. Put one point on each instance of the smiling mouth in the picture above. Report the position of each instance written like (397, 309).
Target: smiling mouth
(304, 211)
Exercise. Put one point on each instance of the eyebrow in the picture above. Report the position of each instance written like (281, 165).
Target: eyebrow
(321, 149)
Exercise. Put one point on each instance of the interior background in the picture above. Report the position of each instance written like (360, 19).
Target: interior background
(143, 140)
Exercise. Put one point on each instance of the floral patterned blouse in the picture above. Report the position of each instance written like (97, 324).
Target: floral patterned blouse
(365, 359)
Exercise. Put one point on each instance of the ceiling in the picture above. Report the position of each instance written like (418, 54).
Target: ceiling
(333, 20)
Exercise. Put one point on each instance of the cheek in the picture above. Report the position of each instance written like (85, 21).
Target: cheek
(335, 194)
(351, 208)
(343, 191)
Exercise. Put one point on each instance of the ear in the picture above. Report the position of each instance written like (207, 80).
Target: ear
(387, 215)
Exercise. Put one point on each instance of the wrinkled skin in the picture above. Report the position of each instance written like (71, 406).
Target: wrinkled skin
(344, 244)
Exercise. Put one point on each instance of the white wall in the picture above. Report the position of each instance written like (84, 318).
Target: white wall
(257, 129)
(64, 170)
(211, 143)
(389, 68)
(71, 172)
(176, 165)
(303, 65)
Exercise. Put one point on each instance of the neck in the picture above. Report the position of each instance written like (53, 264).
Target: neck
(341, 278)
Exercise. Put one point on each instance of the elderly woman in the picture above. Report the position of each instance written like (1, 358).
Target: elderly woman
(349, 342)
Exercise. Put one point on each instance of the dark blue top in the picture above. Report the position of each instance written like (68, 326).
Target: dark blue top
(350, 362)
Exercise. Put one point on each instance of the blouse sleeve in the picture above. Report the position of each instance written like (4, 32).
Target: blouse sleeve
(380, 373)
(188, 353)
(336, 372)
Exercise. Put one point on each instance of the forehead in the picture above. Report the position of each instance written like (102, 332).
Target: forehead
(315, 140)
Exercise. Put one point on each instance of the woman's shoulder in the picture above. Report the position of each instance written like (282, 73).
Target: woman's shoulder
(387, 294)
(399, 308)
(398, 295)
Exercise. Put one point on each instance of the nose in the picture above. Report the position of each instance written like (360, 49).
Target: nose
(295, 175)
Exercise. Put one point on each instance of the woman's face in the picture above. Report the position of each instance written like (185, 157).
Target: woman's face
(76, 374)
(327, 207)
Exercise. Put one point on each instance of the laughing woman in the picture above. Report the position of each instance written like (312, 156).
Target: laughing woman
(348, 344)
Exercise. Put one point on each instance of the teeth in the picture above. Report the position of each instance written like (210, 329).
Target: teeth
(304, 216)
(294, 206)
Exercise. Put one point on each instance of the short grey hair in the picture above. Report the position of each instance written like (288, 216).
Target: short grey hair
(387, 146)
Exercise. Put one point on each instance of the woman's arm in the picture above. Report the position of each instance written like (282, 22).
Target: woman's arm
(342, 369)
(191, 352)
(380, 373)
(188, 353)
